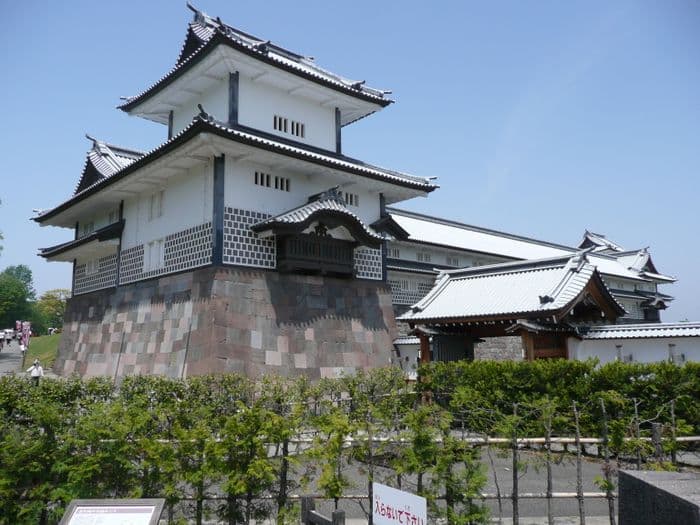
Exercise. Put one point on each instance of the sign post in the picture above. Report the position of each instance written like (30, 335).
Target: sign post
(396, 507)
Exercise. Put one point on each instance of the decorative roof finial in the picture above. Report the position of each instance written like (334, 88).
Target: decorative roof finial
(197, 13)
(203, 114)
(333, 193)
(262, 46)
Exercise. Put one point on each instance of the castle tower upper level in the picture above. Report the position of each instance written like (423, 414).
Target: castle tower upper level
(247, 81)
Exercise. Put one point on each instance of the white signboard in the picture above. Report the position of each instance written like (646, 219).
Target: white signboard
(396, 507)
(113, 512)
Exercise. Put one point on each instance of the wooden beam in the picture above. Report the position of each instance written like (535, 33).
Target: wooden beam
(233, 98)
(338, 148)
(528, 344)
(424, 348)
(170, 124)
(217, 255)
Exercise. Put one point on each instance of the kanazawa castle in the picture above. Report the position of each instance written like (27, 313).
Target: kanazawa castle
(247, 241)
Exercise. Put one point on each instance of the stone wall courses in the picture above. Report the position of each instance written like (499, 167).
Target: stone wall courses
(225, 319)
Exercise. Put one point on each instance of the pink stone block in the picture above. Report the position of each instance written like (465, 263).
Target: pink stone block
(300, 361)
(282, 343)
(273, 358)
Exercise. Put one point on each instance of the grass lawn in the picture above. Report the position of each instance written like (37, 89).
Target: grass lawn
(43, 348)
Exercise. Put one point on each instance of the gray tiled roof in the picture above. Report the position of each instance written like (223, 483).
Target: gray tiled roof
(248, 136)
(455, 235)
(205, 30)
(647, 330)
(406, 341)
(302, 213)
(338, 161)
(106, 159)
(540, 288)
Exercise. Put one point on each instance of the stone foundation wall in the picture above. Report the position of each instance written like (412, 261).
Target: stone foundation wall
(223, 319)
(507, 348)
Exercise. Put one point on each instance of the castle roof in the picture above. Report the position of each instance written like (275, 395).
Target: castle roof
(205, 34)
(204, 126)
(327, 207)
(540, 289)
(104, 160)
(435, 231)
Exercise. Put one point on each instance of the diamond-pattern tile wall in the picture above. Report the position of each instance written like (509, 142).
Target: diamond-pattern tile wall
(368, 263)
(242, 246)
(186, 249)
(408, 293)
(105, 277)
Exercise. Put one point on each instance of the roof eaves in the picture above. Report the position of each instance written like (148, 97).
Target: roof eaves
(186, 134)
(220, 37)
(110, 231)
(200, 124)
(326, 158)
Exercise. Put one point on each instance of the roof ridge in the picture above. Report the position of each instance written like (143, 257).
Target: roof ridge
(648, 326)
(520, 266)
(110, 145)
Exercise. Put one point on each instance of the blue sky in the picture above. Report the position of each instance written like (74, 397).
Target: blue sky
(538, 118)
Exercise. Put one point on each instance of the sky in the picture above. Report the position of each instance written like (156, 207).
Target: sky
(538, 118)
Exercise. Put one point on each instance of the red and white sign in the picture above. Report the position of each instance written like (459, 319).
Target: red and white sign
(396, 507)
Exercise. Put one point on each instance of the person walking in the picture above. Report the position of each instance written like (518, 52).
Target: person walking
(36, 371)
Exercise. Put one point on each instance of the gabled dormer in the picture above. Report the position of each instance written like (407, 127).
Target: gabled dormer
(247, 81)
(599, 243)
(104, 160)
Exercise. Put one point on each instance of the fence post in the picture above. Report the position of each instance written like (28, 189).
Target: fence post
(514, 446)
(548, 459)
(338, 517)
(606, 466)
(673, 431)
(656, 440)
(579, 470)
(637, 434)
(307, 505)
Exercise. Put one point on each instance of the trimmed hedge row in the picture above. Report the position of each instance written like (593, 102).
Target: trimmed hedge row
(152, 436)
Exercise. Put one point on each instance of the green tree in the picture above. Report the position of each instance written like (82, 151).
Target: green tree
(243, 461)
(23, 273)
(13, 300)
(52, 305)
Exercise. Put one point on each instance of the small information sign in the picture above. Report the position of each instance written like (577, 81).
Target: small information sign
(396, 507)
(113, 512)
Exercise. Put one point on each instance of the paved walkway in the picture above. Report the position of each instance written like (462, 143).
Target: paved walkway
(11, 359)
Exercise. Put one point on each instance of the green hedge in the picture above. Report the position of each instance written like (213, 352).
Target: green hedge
(494, 386)
(153, 437)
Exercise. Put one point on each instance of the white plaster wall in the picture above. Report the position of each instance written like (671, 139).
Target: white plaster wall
(647, 350)
(408, 359)
(259, 103)
(214, 101)
(187, 202)
(100, 220)
(242, 192)
(438, 255)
